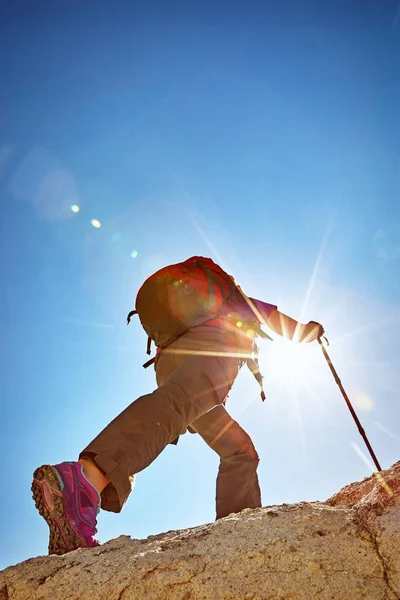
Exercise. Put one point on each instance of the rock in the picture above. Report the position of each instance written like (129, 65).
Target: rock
(346, 548)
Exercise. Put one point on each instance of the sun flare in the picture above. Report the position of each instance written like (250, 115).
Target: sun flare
(294, 362)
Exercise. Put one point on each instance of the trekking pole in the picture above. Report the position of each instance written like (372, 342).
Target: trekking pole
(351, 409)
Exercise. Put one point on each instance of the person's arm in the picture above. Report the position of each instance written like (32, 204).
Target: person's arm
(280, 323)
(293, 330)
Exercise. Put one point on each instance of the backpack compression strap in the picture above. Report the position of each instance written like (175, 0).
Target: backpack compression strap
(149, 340)
(129, 317)
(254, 367)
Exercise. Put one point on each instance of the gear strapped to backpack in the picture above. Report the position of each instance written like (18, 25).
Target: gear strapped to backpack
(181, 296)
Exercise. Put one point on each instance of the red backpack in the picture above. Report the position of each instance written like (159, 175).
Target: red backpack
(181, 296)
(184, 295)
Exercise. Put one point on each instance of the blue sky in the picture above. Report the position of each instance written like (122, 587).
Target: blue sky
(265, 135)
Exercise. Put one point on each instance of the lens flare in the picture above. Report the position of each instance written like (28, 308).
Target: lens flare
(75, 208)
(134, 254)
(95, 223)
(363, 401)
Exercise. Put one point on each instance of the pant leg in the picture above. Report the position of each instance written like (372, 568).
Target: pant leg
(237, 481)
(138, 435)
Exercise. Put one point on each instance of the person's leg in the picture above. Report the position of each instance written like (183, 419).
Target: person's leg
(237, 481)
(191, 383)
(93, 474)
(63, 494)
(200, 341)
(138, 435)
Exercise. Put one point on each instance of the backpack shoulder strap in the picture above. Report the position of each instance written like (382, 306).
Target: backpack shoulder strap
(254, 367)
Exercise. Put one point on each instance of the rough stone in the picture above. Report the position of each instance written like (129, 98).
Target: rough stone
(346, 548)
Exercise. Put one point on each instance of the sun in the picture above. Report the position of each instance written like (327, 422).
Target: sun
(294, 362)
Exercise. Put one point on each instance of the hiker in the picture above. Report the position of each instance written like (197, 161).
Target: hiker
(204, 327)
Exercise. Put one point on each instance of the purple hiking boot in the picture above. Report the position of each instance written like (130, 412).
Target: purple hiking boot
(69, 504)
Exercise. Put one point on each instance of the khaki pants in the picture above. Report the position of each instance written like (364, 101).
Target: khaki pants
(194, 375)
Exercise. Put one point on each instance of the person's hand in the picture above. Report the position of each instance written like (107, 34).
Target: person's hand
(312, 331)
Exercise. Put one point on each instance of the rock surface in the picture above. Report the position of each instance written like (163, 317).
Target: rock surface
(346, 548)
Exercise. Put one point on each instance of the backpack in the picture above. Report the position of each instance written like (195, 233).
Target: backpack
(181, 296)
(184, 295)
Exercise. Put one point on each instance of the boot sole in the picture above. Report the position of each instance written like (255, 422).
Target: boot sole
(48, 497)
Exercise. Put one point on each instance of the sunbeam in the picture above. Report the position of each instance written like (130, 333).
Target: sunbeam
(73, 321)
(299, 422)
(372, 468)
(363, 456)
(205, 238)
(315, 270)
(317, 399)
(360, 330)
(386, 430)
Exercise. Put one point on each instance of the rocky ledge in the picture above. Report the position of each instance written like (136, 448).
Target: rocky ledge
(346, 548)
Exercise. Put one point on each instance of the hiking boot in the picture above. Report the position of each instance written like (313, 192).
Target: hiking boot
(69, 504)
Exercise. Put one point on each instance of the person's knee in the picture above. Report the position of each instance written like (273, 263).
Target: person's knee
(252, 455)
(246, 453)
